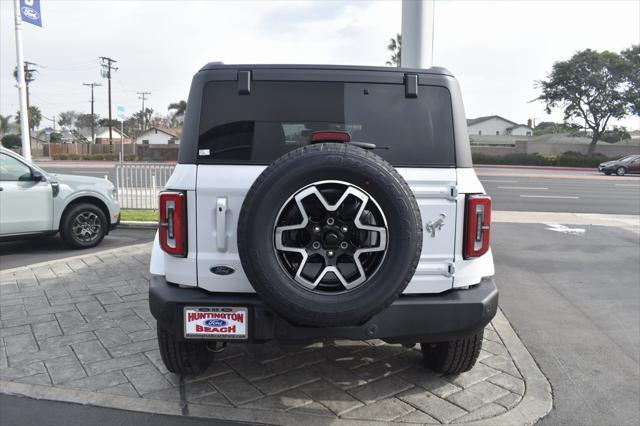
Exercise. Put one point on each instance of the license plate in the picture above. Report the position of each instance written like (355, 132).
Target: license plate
(229, 323)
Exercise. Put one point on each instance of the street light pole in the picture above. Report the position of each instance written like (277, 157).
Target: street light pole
(24, 113)
(417, 33)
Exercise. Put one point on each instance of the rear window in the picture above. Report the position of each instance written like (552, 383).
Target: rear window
(280, 116)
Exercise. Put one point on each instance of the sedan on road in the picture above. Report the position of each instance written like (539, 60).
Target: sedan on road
(622, 166)
(32, 202)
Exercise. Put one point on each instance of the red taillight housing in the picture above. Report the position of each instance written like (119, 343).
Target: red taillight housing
(477, 226)
(173, 223)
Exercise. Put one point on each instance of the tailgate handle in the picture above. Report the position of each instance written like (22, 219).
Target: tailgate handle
(221, 223)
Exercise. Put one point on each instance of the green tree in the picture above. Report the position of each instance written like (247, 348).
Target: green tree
(593, 87)
(67, 118)
(144, 117)
(35, 117)
(55, 137)
(104, 122)
(132, 127)
(395, 47)
(11, 141)
(83, 121)
(616, 134)
(549, 127)
(4, 124)
(632, 55)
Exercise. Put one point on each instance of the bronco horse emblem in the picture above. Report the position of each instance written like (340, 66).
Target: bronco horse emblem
(435, 225)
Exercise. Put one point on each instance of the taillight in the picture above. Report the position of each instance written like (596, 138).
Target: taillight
(477, 225)
(173, 223)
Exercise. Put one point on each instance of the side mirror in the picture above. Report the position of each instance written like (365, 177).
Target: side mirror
(36, 176)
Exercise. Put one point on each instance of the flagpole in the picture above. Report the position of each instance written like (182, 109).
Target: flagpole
(24, 114)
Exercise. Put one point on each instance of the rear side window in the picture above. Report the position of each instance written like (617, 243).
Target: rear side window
(280, 116)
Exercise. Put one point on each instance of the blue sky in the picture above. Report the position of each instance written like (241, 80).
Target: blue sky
(497, 49)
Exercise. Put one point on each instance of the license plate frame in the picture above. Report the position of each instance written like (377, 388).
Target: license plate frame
(216, 322)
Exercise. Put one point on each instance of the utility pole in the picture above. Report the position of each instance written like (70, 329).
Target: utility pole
(143, 96)
(107, 67)
(93, 117)
(24, 112)
(27, 77)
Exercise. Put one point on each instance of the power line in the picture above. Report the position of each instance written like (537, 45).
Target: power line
(143, 96)
(107, 67)
(93, 117)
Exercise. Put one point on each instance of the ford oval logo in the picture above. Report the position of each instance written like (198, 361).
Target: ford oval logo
(222, 270)
(30, 13)
(215, 322)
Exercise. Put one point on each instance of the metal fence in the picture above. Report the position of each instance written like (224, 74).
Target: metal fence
(138, 184)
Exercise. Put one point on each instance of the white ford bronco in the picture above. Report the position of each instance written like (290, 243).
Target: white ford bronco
(323, 202)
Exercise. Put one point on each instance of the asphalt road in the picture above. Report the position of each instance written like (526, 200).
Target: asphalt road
(574, 300)
(33, 412)
(561, 191)
(36, 250)
(516, 189)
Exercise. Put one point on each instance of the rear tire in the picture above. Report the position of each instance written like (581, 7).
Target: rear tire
(83, 225)
(455, 356)
(182, 356)
(621, 171)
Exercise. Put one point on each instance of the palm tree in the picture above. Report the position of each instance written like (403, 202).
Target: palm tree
(4, 124)
(395, 47)
(35, 117)
(179, 109)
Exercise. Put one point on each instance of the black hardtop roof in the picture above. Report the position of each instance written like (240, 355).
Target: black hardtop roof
(433, 70)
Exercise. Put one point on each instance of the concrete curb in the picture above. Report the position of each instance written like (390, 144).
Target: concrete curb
(138, 224)
(535, 404)
(537, 400)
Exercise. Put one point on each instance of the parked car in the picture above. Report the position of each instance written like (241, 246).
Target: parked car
(320, 202)
(622, 166)
(82, 209)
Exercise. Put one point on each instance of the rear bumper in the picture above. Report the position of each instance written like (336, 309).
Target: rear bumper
(410, 319)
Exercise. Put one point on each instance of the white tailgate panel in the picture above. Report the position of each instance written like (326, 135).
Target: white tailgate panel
(227, 186)
(219, 186)
(433, 191)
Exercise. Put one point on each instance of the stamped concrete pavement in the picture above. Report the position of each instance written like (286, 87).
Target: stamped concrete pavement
(79, 330)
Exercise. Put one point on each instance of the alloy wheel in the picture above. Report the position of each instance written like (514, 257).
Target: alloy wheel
(331, 236)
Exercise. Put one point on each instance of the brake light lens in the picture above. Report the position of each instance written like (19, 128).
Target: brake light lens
(477, 226)
(173, 223)
(325, 136)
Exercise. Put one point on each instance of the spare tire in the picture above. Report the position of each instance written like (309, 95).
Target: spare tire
(329, 235)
